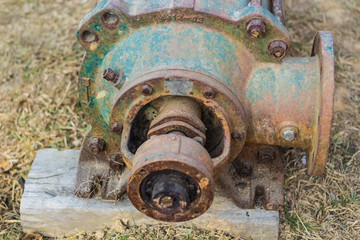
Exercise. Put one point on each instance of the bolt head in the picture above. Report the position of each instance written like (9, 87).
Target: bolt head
(255, 28)
(237, 135)
(89, 36)
(209, 92)
(146, 90)
(96, 145)
(110, 19)
(289, 134)
(278, 49)
(117, 128)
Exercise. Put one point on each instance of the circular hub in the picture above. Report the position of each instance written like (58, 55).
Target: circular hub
(169, 191)
(171, 179)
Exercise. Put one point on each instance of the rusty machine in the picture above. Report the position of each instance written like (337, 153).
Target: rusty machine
(181, 94)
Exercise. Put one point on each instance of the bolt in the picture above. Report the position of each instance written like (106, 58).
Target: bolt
(289, 134)
(116, 161)
(209, 92)
(110, 18)
(89, 36)
(117, 128)
(146, 90)
(110, 75)
(167, 202)
(237, 135)
(266, 154)
(278, 49)
(255, 27)
(96, 145)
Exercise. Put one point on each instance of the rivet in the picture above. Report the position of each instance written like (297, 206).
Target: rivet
(209, 92)
(146, 90)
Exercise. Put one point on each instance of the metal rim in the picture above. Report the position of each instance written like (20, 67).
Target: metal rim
(232, 118)
(323, 48)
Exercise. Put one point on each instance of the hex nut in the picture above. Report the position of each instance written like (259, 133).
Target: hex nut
(96, 145)
(289, 134)
(256, 28)
(278, 49)
(110, 75)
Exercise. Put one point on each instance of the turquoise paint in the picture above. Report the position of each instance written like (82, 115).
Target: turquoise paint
(157, 47)
(283, 85)
(136, 51)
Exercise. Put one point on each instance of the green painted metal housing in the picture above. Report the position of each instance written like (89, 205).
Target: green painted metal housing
(209, 38)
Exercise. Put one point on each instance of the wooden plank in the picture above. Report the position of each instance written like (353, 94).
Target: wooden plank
(49, 207)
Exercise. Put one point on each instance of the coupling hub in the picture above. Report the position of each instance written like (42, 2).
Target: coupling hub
(172, 178)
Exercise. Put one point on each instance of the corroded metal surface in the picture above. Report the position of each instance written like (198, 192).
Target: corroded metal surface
(181, 158)
(317, 155)
(225, 106)
(255, 179)
(214, 75)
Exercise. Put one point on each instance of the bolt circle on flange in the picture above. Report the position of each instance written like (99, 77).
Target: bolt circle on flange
(229, 111)
(117, 128)
(96, 145)
(255, 28)
(209, 92)
(278, 49)
(146, 90)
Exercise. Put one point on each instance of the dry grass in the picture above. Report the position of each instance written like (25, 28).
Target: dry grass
(39, 108)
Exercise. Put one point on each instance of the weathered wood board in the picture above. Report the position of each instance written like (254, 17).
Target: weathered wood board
(49, 207)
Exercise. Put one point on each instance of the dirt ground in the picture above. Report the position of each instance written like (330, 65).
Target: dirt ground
(39, 63)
